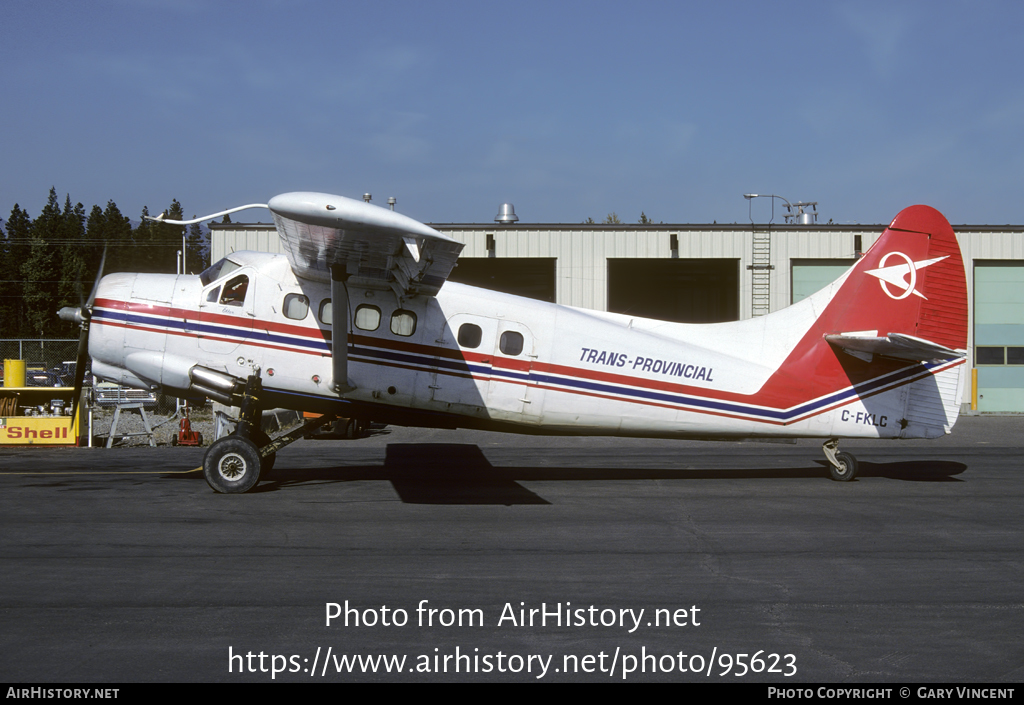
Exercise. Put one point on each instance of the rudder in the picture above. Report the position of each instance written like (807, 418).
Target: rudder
(910, 282)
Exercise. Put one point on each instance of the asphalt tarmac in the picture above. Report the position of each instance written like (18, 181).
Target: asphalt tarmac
(483, 557)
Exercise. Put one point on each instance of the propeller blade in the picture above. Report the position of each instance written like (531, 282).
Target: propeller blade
(80, 362)
(85, 315)
(99, 275)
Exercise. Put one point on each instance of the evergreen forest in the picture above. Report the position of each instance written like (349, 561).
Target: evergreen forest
(52, 260)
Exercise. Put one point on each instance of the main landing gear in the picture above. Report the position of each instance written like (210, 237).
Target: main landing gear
(842, 465)
(235, 463)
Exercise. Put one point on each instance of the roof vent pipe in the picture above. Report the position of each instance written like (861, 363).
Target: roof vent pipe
(506, 214)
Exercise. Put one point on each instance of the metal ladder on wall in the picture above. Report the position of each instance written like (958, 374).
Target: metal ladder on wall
(761, 271)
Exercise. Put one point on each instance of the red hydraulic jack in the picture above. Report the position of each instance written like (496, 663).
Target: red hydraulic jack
(186, 436)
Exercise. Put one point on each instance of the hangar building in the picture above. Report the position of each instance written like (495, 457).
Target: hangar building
(711, 273)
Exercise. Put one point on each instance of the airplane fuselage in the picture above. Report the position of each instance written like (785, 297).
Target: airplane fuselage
(469, 357)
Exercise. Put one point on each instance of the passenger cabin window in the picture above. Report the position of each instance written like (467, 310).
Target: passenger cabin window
(470, 335)
(296, 306)
(367, 317)
(403, 322)
(234, 291)
(511, 343)
(325, 311)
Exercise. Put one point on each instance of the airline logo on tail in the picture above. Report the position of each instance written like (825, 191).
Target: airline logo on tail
(897, 275)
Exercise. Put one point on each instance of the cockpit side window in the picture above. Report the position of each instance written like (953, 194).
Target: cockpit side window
(233, 293)
(218, 269)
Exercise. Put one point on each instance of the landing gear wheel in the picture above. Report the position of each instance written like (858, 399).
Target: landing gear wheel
(847, 469)
(266, 464)
(232, 465)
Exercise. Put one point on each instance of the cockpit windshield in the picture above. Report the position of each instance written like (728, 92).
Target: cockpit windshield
(217, 270)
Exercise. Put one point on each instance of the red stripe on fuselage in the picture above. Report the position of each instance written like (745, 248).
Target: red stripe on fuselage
(782, 391)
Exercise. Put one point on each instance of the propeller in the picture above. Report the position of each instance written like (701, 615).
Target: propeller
(82, 315)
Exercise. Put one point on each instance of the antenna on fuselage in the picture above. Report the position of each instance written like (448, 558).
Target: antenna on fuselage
(160, 218)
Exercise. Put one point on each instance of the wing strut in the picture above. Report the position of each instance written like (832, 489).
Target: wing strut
(339, 330)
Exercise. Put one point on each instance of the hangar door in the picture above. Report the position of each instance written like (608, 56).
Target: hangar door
(681, 290)
(811, 275)
(532, 277)
(999, 335)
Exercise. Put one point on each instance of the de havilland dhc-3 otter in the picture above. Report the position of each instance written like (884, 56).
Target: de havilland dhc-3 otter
(879, 353)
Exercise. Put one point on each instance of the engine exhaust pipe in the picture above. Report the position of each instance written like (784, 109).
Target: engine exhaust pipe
(221, 397)
(212, 379)
(219, 386)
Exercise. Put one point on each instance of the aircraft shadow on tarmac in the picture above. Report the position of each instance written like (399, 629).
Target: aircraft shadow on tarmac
(438, 473)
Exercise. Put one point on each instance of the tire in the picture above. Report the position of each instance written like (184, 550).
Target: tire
(848, 469)
(232, 465)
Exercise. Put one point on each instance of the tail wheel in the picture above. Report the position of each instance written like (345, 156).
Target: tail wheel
(232, 465)
(847, 468)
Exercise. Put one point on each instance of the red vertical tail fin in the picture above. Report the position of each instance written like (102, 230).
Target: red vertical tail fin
(910, 282)
(890, 335)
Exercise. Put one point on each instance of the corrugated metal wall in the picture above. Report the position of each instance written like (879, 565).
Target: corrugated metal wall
(582, 254)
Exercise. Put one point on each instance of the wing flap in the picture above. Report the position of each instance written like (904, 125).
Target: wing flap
(376, 246)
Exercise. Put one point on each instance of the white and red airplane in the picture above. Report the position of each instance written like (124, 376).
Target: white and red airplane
(879, 353)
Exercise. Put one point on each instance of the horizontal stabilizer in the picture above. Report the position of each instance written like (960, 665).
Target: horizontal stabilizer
(895, 345)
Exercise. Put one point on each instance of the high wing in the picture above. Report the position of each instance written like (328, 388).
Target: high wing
(373, 246)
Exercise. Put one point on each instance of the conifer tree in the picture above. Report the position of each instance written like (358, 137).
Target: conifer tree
(114, 231)
(196, 260)
(12, 301)
(40, 270)
(72, 289)
(141, 257)
(170, 238)
(157, 243)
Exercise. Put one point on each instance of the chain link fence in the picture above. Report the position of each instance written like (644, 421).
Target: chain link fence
(50, 362)
(53, 356)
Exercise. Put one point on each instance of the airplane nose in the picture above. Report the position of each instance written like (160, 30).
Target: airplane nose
(106, 333)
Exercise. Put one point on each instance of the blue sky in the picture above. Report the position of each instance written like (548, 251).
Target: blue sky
(567, 109)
